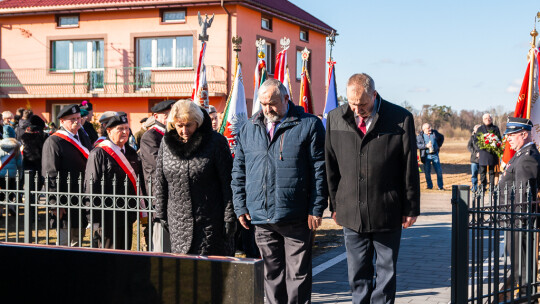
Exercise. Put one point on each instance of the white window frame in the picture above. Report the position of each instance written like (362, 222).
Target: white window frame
(175, 20)
(88, 56)
(69, 25)
(154, 45)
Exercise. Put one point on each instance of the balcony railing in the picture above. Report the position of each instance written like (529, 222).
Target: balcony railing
(108, 81)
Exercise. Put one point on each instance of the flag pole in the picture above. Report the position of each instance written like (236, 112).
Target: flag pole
(237, 47)
(331, 41)
(531, 56)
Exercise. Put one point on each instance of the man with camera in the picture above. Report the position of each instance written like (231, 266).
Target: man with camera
(429, 142)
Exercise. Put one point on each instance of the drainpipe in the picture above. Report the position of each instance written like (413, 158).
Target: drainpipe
(227, 54)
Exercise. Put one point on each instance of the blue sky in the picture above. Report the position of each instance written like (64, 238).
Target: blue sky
(464, 54)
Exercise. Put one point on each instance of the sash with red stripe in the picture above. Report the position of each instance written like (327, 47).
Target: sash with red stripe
(115, 152)
(158, 129)
(69, 138)
(10, 157)
(99, 140)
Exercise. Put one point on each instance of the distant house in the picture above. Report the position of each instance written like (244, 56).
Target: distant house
(127, 55)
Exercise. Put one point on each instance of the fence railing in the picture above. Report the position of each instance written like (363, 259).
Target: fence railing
(495, 246)
(33, 213)
(111, 80)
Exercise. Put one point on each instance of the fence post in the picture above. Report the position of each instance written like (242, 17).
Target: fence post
(28, 186)
(460, 243)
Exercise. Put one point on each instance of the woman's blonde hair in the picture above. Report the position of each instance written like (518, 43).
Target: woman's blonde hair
(185, 110)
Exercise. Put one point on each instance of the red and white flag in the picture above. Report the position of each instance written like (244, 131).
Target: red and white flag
(199, 94)
(306, 99)
(235, 114)
(281, 72)
(523, 103)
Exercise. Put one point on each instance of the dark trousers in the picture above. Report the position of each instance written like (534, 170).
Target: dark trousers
(361, 248)
(483, 170)
(286, 252)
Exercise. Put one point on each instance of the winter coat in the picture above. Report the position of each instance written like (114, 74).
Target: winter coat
(32, 150)
(486, 158)
(424, 151)
(21, 128)
(373, 179)
(473, 148)
(7, 146)
(282, 180)
(8, 132)
(192, 190)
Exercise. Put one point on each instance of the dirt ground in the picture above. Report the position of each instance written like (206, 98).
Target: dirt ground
(456, 167)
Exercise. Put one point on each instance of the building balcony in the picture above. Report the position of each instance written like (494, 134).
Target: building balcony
(107, 82)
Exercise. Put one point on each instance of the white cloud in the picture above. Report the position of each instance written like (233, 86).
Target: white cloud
(514, 87)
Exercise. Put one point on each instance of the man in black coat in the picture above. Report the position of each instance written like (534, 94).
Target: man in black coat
(150, 142)
(373, 183)
(64, 156)
(522, 170)
(487, 160)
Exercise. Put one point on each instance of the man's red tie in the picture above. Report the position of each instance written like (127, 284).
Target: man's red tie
(362, 125)
(271, 131)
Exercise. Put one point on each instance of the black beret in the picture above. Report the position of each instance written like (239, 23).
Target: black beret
(118, 119)
(68, 110)
(516, 124)
(36, 122)
(87, 105)
(163, 106)
(143, 120)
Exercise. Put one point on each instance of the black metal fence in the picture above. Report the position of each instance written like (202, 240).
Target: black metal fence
(31, 213)
(495, 246)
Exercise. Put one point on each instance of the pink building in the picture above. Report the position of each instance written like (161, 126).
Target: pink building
(126, 55)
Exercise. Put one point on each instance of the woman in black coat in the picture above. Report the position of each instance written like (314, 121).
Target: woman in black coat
(106, 162)
(192, 186)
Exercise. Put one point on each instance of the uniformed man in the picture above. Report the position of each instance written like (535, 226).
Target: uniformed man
(521, 171)
(103, 119)
(87, 126)
(150, 142)
(64, 155)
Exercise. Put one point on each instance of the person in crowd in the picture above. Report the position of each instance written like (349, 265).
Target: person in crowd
(522, 170)
(141, 131)
(214, 117)
(24, 122)
(88, 127)
(429, 143)
(487, 160)
(8, 131)
(150, 142)
(63, 161)
(102, 131)
(17, 117)
(279, 185)
(10, 166)
(475, 153)
(114, 160)
(374, 185)
(192, 183)
(51, 128)
(32, 145)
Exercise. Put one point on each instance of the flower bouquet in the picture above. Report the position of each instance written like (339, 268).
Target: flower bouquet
(491, 143)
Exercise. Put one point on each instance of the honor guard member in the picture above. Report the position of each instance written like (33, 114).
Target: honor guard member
(103, 119)
(87, 126)
(114, 159)
(150, 142)
(521, 171)
(64, 155)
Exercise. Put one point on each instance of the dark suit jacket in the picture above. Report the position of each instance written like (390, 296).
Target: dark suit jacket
(372, 181)
(486, 158)
(522, 169)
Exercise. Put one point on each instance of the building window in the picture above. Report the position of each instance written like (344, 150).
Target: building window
(270, 55)
(299, 64)
(266, 23)
(67, 21)
(304, 35)
(173, 16)
(165, 52)
(69, 55)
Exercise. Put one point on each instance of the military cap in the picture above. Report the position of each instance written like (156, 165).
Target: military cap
(86, 105)
(119, 119)
(211, 109)
(68, 110)
(163, 106)
(516, 124)
(106, 116)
